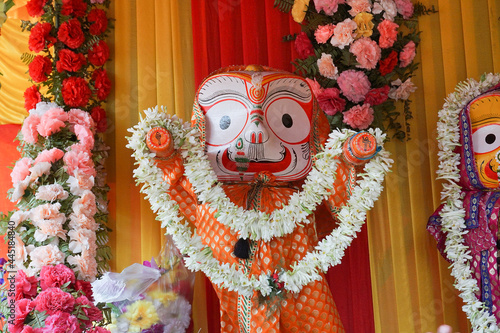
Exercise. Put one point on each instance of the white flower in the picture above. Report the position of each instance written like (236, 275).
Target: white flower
(388, 7)
(43, 107)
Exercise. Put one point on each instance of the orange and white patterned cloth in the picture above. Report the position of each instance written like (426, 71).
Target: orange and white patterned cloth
(310, 310)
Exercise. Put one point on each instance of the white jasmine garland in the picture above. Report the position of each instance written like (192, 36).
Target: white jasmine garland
(252, 224)
(453, 213)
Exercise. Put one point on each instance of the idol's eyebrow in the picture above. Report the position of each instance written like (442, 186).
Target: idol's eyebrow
(282, 88)
(223, 94)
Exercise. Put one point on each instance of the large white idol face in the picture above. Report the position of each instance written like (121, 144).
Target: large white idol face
(257, 121)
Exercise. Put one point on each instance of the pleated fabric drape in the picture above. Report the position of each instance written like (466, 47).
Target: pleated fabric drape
(412, 287)
(152, 64)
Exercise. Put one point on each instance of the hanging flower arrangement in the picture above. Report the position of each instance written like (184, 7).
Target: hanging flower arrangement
(358, 56)
(59, 227)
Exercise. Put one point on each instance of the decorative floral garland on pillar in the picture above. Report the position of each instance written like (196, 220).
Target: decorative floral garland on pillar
(453, 213)
(59, 229)
(327, 253)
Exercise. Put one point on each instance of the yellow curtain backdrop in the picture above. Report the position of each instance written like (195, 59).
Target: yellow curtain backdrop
(14, 81)
(152, 65)
(412, 287)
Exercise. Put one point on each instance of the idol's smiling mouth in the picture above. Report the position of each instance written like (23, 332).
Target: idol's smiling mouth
(488, 171)
(250, 165)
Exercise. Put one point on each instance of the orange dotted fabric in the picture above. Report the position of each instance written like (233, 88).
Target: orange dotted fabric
(310, 310)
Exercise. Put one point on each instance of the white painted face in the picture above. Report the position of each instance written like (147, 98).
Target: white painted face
(257, 121)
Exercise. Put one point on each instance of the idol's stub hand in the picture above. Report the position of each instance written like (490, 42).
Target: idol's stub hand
(360, 148)
(160, 141)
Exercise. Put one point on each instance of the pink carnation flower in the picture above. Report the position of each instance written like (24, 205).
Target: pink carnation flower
(359, 116)
(19, 216)
(21, 169)
(61, 322)
(407, 55)
(386, 6)
(315, 86)
(85, 136)
(54, 300)
(29, 129)
(45, 255)
(343, 33)
(39, 169)
(388, 33)
(359, 6)
(401, 90)
(326, 66)
(51, 156)
(47, 211)
(25, 285)
(330, 102)
(330, 7)
(367, 52)
(98, 330)
(22, 309)
(81, 239)
(78, 158)
(85, 204)
(82, 221)
(80, 117)
(56, 276)
(52, 121)
(323, 33)
(85, 266)
(354, 85)
(49, 228)
(90, 310)
(405, 8)
(80, 182)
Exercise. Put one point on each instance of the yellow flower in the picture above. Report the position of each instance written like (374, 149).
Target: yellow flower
(141, 315)
(163, 297)
(299, 10)
(365, 24)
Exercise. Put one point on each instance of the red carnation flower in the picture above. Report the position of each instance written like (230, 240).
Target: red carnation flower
(39, 68)
(387, 65)
(377, 96)
(31, 98)
(71, 34)
(98, 16)
(39, 36)
(53, 300)
(303, 45)
(102, 83)
(35, 7)
(69, 61)
(99, 53)
(85, 287)
(99, 116)
(75, 91)
(75, 8)
(330, 102)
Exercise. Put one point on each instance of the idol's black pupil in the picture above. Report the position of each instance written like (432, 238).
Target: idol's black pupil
(225, 122)
(287, 120)
(490, 138)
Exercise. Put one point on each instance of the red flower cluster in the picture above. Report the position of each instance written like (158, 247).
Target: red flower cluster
(35, 7)
(70, 61)
(40, 37)
(98, 16)
(75, 91)
(74, 8)
(39, 68)
(387, 65)
(71, 34)
(67, 301)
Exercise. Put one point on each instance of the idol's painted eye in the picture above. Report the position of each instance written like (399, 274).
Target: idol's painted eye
(288, 120)
(486, 139)
(225, 120)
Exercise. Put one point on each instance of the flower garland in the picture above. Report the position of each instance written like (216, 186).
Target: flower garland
(327, 253)
(358, 56)
(453, 214)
